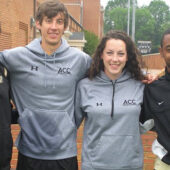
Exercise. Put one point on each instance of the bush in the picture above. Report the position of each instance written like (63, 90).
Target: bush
(91, 44)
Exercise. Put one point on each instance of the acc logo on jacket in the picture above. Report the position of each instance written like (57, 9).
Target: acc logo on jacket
(129, 102)
(64, 71)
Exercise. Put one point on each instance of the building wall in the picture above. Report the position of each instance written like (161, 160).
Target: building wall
(15, 23)
(74, 8)
(92, 16)
(101, 22)
(153, 61)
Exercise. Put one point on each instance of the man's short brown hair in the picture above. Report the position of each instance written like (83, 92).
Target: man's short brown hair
(50, 8)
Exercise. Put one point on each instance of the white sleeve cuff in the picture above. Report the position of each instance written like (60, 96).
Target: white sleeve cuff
(158, 149)
(146, 126)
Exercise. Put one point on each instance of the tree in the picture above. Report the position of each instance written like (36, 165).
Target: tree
(144, 25)
(151, 21)
(161, 14)
(118, 3)
(92, 42)
(116, 13)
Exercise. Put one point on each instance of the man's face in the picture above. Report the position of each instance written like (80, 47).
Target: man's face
(52, 30)
(165, 51)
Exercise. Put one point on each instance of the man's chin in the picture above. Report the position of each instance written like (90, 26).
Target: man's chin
(54, 43)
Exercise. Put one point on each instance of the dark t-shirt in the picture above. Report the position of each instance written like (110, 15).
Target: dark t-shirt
(5, 122)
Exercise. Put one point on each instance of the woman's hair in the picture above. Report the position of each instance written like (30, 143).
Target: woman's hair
(50, 8)
(132, 64)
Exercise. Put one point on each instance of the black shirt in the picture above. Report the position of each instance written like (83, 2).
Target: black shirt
(156, 105)
(5, 122)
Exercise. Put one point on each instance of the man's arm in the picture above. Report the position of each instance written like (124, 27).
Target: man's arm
(79, 114)
(2, 60)
(146, 119)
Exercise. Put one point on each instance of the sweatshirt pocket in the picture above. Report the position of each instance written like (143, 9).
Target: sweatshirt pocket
(114, 152)
(47, 130)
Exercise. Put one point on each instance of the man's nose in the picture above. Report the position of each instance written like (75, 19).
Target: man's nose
(54, 25)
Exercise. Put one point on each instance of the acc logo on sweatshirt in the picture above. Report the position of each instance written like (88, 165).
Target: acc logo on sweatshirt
(64, 70)
(1, 79)
(129, 102)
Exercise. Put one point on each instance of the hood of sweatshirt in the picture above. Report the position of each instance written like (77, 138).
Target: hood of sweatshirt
(124, 76)
(36, 48)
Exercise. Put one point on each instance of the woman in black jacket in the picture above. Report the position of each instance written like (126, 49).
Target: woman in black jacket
(5, 121)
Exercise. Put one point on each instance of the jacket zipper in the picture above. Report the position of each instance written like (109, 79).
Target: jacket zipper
(112, 108)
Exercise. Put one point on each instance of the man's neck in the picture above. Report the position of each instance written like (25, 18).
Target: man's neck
(49, 49)
(168, 70)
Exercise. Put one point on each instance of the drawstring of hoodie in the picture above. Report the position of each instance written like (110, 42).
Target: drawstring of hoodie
(54, 80)
(45, 65)
(112, 109)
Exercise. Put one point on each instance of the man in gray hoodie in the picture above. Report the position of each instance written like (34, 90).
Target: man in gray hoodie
(44, 75)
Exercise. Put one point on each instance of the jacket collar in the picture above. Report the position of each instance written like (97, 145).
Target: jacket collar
(125, 75)
(167, 75)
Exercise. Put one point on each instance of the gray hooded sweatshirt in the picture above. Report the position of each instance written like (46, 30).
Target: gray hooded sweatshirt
(111, 111)
(43, 87)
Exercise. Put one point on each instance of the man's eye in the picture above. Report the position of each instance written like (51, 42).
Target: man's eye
(48, 20)
(168, 49)
(60, 21)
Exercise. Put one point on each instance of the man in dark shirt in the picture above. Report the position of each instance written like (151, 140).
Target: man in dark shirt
(5, 122)
(157, 106)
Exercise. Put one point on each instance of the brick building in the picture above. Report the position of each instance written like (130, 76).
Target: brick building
(153, 63)
(16, 23)
(15, 27)
(88, 13)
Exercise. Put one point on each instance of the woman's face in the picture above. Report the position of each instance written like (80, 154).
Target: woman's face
(114, 58)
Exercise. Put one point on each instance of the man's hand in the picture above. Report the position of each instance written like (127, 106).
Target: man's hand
(149, 78)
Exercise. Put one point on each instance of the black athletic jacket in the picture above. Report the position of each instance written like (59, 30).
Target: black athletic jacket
(5, 122)
(156, 106)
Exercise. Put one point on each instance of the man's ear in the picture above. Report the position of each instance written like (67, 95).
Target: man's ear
(65, 29)
(38, 25)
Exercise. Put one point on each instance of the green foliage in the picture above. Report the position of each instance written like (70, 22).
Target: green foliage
(116, 14)
(118, 18)
(91, 44)
(151, 21)
(144, 25)
(161, 14)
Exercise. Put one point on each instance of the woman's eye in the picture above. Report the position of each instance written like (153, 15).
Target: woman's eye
(120, 54)
(109, 53)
